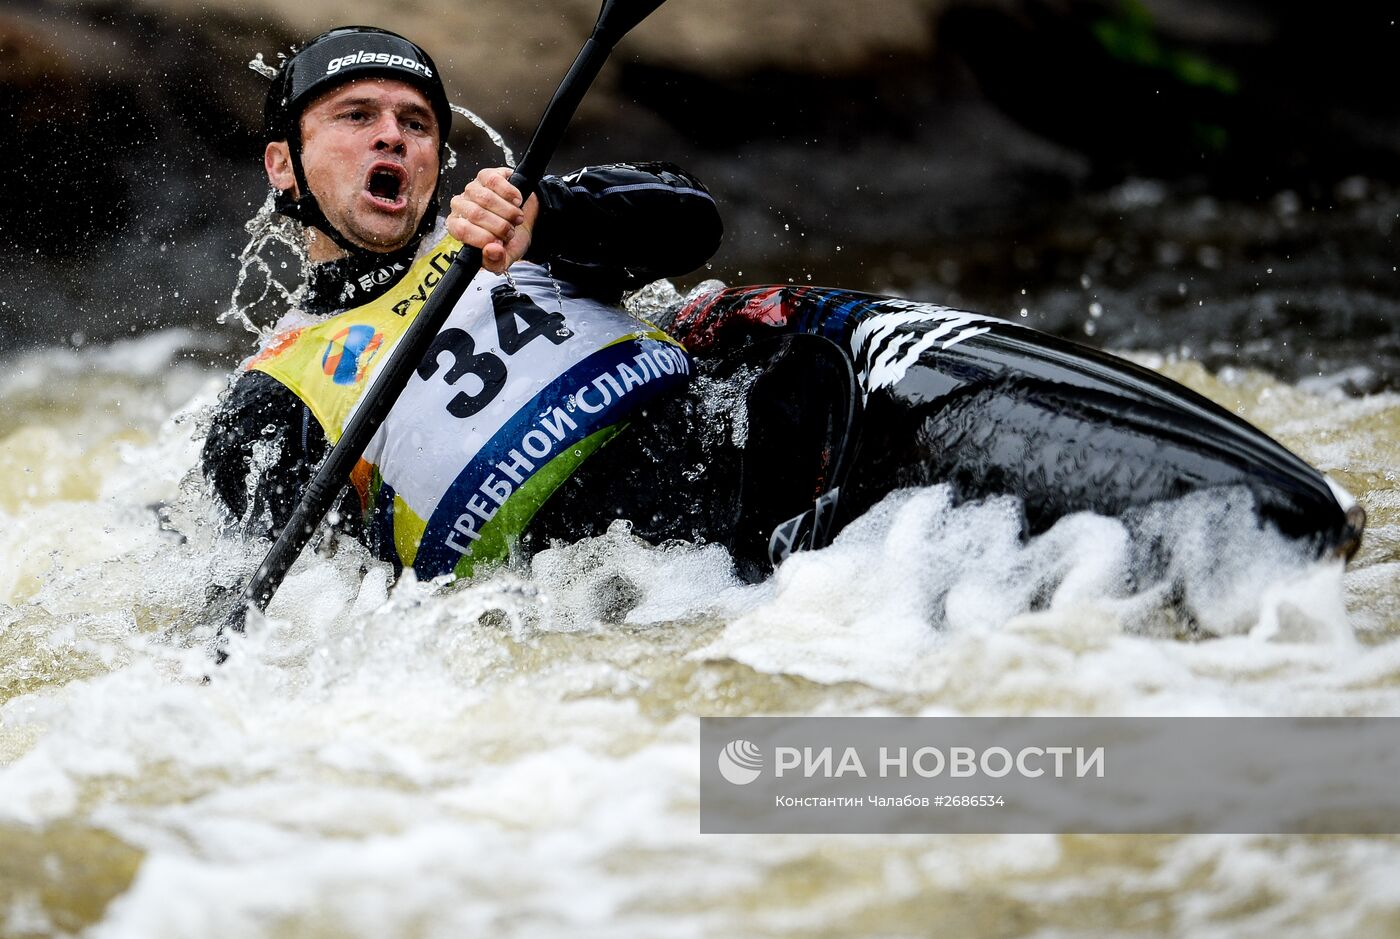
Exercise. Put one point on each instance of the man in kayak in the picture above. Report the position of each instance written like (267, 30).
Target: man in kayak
(815, 403)
(532, 373)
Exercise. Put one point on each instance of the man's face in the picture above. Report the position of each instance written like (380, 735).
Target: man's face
(370, 152)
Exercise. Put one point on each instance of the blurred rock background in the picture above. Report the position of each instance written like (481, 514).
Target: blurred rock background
(994, 153)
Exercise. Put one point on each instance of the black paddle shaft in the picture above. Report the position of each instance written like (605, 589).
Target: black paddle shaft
(615, 20)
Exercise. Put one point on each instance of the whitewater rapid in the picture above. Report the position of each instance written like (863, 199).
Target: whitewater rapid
(519, 754)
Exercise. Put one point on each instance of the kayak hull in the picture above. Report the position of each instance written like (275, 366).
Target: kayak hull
(991, 408)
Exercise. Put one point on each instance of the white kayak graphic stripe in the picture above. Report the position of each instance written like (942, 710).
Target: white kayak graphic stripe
(887, 366)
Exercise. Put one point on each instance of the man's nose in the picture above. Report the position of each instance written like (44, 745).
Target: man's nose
(388, 135)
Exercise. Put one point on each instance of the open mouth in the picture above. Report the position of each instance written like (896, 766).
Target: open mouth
(385, 184)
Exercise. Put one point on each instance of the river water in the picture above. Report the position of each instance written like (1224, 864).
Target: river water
(517, 756)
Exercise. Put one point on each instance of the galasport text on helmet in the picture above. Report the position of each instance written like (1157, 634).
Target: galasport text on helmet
(343, 55)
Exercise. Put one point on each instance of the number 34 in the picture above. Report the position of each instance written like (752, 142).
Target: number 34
(507, 304)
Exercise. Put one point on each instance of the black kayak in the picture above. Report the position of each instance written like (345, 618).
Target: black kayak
(812, 404)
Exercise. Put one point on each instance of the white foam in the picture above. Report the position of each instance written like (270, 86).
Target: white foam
(881, 605)
(517, 755)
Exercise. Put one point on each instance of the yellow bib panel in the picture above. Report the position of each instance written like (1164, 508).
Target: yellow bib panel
(327, 364)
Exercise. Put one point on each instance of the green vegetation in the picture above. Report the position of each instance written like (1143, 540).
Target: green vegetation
(1128, 36)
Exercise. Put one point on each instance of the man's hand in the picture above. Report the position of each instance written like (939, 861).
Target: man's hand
(488, 216)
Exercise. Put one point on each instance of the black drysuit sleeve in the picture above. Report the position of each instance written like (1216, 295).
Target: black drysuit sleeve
(619, 227)
(606, 229)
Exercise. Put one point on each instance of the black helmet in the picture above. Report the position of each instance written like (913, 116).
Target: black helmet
(341, 55)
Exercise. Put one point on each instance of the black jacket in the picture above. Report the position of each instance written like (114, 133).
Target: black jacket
(606, 229)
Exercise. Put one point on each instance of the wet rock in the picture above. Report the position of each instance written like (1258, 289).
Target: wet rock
(843, 140)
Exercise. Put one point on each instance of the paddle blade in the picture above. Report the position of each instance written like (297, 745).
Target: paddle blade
(618, 17)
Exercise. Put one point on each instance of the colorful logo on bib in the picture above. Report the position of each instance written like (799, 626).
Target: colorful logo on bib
(350, 352)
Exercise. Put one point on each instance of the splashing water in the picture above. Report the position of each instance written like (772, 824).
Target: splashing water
(496, 138)
(659, 301)
(268, 230)
(262, 68)
(656, 299)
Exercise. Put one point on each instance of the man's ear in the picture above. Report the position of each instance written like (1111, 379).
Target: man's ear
(277, 160)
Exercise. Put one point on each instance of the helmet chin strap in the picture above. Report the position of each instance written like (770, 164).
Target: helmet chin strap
(307, 210)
